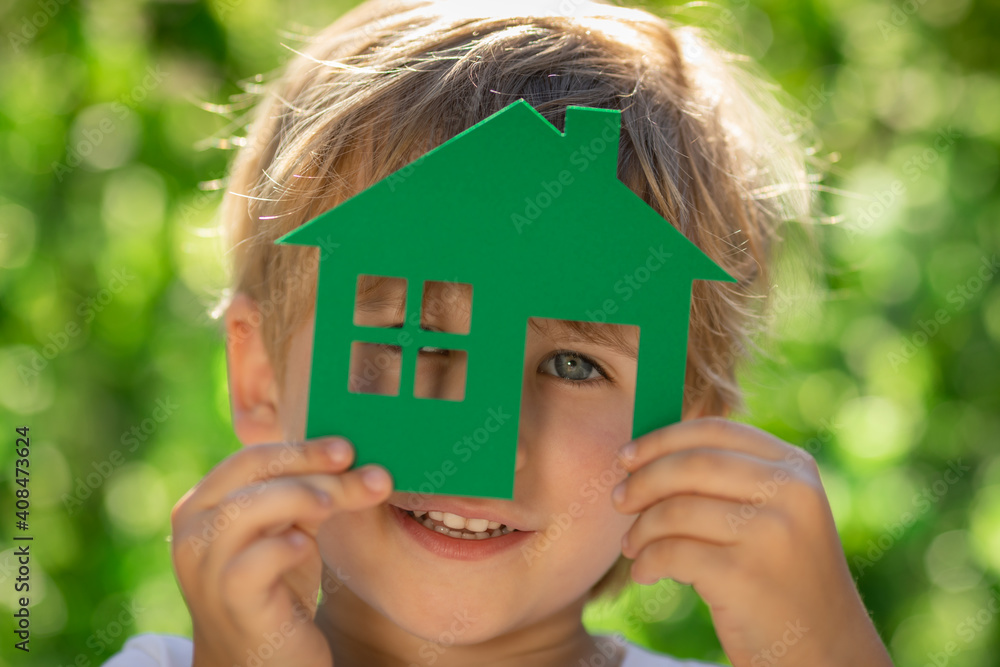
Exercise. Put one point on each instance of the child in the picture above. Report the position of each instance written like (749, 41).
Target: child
(710, 152)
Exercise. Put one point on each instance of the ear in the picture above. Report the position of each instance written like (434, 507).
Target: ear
(253, 393)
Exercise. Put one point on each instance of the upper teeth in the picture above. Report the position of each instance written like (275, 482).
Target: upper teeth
(457, 522)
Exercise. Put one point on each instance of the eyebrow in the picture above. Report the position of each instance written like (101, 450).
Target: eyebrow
(596, 333)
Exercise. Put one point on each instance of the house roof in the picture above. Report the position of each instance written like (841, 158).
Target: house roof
(512, 189)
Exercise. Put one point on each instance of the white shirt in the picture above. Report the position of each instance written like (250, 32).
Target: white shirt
(161, 650)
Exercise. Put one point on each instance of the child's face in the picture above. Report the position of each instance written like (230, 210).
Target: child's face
(572, 423)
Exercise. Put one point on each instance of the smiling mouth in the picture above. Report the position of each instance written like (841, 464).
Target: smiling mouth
(437, 525)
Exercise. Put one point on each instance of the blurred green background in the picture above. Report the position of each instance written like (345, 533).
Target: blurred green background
(884, 362)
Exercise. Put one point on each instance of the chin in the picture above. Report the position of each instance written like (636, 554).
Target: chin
(442, 615)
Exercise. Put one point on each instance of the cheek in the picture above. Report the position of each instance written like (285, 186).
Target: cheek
(344, 537)
(294, 399)
(577, 455)
(587, 433)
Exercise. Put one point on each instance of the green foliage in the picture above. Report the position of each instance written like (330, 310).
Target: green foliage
(883, 360)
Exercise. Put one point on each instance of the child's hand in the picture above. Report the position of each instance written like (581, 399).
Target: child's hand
(245, 554)
(742, 516)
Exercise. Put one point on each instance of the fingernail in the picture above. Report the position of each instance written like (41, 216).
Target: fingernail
(628, 451)
(338, 450)
(618, 495)
(297, 538)
(375, 479)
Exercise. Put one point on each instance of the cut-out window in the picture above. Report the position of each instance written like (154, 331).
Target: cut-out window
(445, 307)
(599, 360)
(374, 368)
(380, 301)
(441, 374)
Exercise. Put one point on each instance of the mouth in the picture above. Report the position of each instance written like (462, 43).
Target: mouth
(457, 526)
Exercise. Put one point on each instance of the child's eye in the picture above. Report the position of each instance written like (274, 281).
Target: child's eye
(394, 350)
(575, 368)
(435, 352)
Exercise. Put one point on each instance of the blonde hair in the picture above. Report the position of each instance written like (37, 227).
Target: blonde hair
(703, 142)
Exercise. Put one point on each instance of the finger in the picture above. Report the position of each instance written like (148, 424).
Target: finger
(251, 513)
(703, 471)
(272, 506)
(253, 581)
(215, 534)
(708, 432)
(701, 517)
(687, 561)
(261, 462)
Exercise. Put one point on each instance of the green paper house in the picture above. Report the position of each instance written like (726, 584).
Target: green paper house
(537, 222)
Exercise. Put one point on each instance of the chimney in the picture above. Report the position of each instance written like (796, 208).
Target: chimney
(593, 140)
